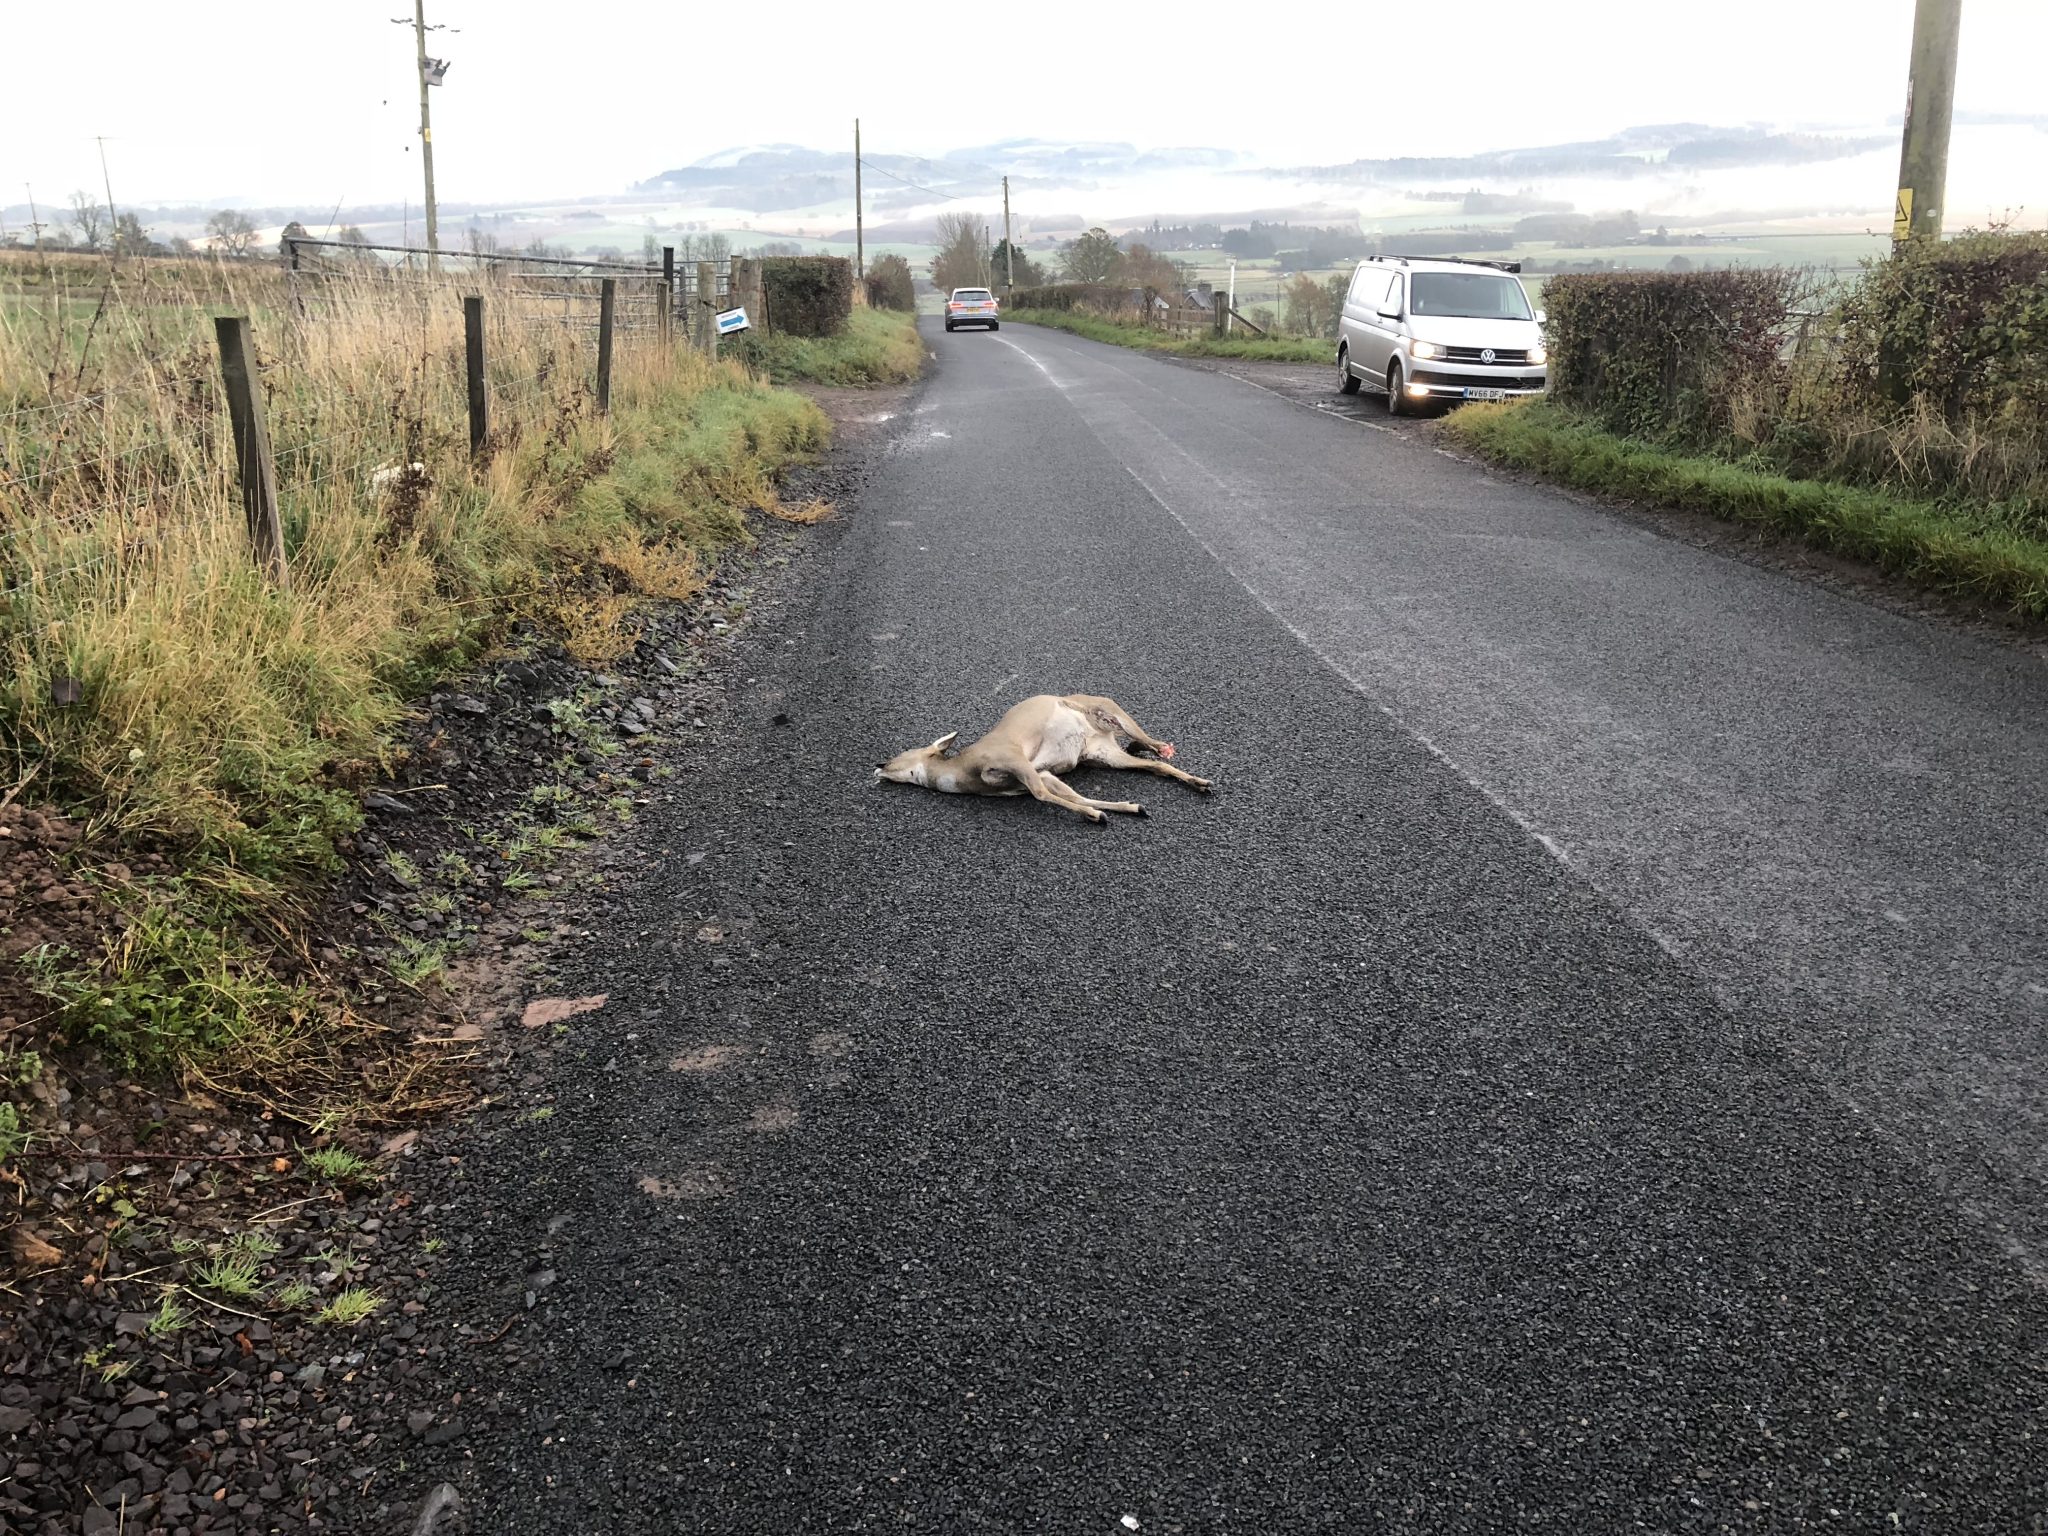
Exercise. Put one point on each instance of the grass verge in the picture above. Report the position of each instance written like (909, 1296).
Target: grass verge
(878, 346)
(1966, 549)
(161, 691)
(1273, 349)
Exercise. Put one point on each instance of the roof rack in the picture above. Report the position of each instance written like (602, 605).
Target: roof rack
(1463, 261)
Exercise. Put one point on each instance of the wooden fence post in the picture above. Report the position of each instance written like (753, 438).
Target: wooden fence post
(607, 297)
(707, 307)
(252, 444)
(663, 290)
(746, 290)
(1222, 312)
(473, 358)
(669, 292)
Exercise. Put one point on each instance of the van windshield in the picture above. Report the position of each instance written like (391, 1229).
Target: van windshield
(1467, 295)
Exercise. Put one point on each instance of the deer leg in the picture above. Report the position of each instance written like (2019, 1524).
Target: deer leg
(1127, 807)
(1049, 789)
(1113, 756)
(1137, 732)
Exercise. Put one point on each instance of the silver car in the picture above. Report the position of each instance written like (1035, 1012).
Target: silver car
(972, 306)
(1439, 328)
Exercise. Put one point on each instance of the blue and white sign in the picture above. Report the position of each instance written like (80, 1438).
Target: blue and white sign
(731, 320)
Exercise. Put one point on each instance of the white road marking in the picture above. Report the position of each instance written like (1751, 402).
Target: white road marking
(1528, 828)
(1032, 360)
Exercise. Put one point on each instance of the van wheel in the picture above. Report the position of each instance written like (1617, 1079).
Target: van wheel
(1397, 399)
(1347, 381)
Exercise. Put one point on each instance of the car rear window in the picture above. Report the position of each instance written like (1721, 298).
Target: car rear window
(973, 295)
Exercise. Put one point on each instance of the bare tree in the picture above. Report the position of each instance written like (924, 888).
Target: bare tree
(233, 232)
(90, 219)
(130, 237)
(1144, 267)
(962, 261)
(1092, 258)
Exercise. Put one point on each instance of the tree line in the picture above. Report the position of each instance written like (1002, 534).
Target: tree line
(967, 259)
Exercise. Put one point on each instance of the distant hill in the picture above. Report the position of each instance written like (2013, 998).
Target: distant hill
(777, 178)
(1633, 152)
(771, 178)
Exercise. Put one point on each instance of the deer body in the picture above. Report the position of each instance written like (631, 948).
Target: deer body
(1039, 739)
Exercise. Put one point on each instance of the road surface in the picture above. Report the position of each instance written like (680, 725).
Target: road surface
(1580, 1072)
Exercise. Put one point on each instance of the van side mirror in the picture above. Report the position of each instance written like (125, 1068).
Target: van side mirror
(1389, 314)
(1541, 317)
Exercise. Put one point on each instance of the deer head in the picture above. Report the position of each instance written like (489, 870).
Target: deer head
(915, 766)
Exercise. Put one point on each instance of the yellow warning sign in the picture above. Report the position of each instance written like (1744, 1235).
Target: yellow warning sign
(1902, 215)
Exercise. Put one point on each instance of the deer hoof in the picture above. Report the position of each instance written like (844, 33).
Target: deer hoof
(1139, 810)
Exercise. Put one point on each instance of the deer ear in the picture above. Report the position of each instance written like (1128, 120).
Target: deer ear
(943, 742)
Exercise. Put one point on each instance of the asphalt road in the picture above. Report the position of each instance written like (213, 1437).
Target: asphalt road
(1580, 1072)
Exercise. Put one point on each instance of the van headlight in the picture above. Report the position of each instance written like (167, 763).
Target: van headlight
(1425, 349)
(1539, 354)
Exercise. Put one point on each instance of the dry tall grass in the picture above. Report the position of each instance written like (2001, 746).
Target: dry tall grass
(157, 683)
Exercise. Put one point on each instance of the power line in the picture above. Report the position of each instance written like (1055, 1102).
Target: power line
(945, 197)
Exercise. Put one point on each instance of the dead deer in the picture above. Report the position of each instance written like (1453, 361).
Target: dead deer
(1037, 740)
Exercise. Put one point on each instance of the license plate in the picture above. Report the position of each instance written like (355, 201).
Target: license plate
(1486, 394)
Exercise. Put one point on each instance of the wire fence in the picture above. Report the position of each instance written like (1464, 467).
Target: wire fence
(96, 477)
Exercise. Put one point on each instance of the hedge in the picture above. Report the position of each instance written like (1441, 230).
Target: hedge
(890, 285)
(807, 295)
(1964, 323)
(1104, 297)
(1653, 354)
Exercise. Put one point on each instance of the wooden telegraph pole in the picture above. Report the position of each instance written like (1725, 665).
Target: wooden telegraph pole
(1009, 247)
(419, 31)
(1930, 103)
(860, 266)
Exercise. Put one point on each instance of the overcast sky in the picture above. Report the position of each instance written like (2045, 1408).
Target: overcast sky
(283, 100)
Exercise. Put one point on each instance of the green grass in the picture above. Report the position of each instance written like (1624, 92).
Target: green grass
(878, 346)
(335, 1163)
(1276, 349)
(231, 1274)
(294, 1296)
(348, 1307)
(1961, 549)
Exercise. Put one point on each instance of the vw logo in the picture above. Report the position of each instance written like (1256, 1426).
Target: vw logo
(1486, 356)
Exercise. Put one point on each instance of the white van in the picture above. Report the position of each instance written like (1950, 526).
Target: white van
(1439, 328)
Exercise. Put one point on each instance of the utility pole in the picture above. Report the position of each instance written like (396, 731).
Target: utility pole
(35, 219)
(860, 265)
(113, 222)
(1009, 246)
(419, 32)
(432, 72)
(1930, 102)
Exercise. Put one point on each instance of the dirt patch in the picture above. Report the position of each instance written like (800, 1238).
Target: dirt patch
(45, 904)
